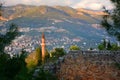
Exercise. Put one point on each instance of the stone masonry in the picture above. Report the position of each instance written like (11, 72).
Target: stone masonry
(89, 65)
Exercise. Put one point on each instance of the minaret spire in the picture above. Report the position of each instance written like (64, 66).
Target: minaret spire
(43, 47)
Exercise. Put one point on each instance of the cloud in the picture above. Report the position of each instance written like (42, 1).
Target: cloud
(14, 2)
(56, 2)
(93, 4)
(39, 2)
(89, 4)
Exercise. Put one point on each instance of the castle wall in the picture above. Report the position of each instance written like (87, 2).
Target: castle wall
(89, 65)
(98, 56)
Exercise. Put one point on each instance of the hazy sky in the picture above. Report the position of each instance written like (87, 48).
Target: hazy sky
(89, 4)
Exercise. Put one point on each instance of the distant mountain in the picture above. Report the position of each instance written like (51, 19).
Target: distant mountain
(52, 12)
(66, 25)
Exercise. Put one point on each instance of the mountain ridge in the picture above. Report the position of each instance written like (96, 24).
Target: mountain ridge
(21, 10)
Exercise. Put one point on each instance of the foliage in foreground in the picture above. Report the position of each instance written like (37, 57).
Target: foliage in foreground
(111, 22)
(6, 39)
(13, 68)
(57, 52)
(45, 75)
(34, 59)
(74, 47)
(107, 45)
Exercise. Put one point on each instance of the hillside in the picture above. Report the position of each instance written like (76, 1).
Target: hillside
(63, 25)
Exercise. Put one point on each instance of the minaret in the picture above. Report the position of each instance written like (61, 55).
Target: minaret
(43, 47)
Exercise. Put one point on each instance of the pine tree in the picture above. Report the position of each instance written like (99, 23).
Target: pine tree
(113, 27)
(109, 46)
(6, 39)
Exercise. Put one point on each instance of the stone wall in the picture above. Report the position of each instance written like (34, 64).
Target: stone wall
(89, 65)
(98, 56)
